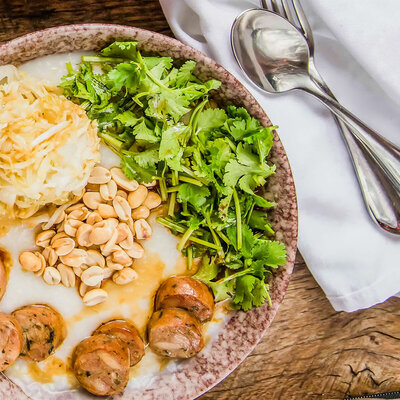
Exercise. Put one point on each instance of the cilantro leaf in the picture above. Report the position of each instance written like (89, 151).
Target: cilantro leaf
(185, 73)
(270, 252)
(142, 132)
(134, 171)
(195, 195)
(211, 119)
(127, 50)
(124, 75)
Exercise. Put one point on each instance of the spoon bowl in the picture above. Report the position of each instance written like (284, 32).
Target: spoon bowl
(270, 50)
(275, 56)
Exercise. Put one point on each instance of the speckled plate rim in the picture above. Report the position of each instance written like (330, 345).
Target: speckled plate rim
(243, 331)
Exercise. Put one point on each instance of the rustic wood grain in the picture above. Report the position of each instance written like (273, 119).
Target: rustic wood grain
(310, 351)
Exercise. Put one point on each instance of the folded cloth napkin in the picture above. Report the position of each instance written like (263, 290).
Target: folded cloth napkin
(356, 263)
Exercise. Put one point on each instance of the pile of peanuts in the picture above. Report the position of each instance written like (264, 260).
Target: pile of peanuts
(92, 238)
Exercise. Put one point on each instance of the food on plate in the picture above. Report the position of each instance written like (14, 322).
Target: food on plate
(188, 293)
(93, 239)
(3, 276)
(175, 333)
(210, 162)
(43, 330)
(10, 340)
(48, 145)
(101, 364)
(128, 334)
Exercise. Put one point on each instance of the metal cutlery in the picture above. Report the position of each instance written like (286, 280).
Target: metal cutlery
(278, 57)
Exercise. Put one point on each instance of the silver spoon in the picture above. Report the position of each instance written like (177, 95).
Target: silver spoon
(275, 56)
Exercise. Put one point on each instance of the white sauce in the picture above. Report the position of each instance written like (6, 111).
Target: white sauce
(25, 288)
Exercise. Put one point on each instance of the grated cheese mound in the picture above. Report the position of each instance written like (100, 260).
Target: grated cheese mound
(48, 146)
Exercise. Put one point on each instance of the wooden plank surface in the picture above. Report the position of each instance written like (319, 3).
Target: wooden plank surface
(310, 351)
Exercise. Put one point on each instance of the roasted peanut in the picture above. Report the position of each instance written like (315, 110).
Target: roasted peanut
(29, 261)
(113, 265)
(44, 237)
(58, 235)
(51, 276)
(63, 246)
(108, 272)
(108, 191)
(106, 211)
(94, 296)
(122, 193)
(142, 212)
(80, 214)
(101, 233)
(71, 226)
(95, 258)
(92, 200)
(74, 207)
(123, 181)
(125, 276)
(151, 184)
(123, 231)
(92, 276)
(136, 198)
(122, 208)
(99, 175)
(121, 257)
(67, 275)
(153, 200)
(83, 234)
(75, 258)
(93, 218)
(142, 229)
(50, 255)
(83, 289)
(109, 246)
(135, 251)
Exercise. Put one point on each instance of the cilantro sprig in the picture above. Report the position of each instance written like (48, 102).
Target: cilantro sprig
(209, 162)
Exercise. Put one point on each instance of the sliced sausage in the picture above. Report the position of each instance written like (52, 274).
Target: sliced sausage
(10, 340)
(188, 293)
(126, 332)
(175, 333)
(43, 330)
(101, 364)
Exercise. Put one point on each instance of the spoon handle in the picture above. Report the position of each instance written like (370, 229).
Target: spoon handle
(380, 197)
(382, 150)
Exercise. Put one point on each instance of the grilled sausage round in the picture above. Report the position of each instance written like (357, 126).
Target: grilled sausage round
(10, 340)
(43, 330)
(128, 334)
(188, 293)
(101, 364)
(175, 333)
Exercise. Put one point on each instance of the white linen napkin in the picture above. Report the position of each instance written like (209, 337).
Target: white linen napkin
(356, 263)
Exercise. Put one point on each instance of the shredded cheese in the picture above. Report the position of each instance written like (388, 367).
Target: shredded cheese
(48, 145)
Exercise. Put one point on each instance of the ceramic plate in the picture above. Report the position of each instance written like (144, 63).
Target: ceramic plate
(243, 330)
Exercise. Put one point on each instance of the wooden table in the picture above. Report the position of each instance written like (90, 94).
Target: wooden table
(311, 351)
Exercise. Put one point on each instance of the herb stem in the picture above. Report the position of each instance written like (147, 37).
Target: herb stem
(238, 219)
(99, 59)
(173, 189)
(190, 257)
(163, 189)
(185, 237)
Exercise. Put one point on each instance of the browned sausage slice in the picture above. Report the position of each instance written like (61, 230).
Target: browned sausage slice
(126, 332)
(101, 364)
(188, 293)
(176, 333)
(43, 330)
(10, 340)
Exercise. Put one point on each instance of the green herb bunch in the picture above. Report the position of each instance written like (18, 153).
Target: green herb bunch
(208, 161)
